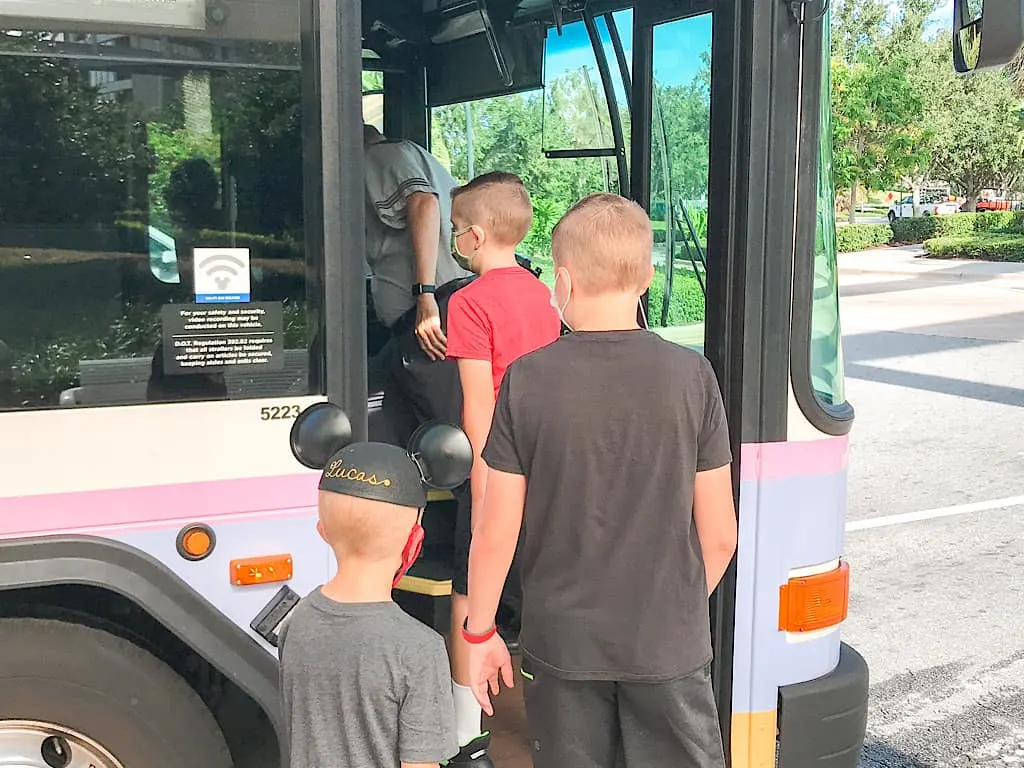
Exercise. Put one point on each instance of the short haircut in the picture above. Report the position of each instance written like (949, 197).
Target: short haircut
(499, 203)
(606, 242)
(372, 530)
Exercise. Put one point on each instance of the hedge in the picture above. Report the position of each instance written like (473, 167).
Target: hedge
(921, 228)
(686, 304)
(860, 237)
(987, 246)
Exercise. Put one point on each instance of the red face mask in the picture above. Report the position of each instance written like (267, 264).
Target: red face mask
(413, 547)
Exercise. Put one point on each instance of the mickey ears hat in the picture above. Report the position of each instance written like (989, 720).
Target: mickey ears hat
(439, 456)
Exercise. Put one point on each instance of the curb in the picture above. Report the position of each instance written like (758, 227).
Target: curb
(938, 275)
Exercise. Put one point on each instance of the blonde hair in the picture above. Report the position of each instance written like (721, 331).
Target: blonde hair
(372, 530)
(498, 203)
(606, 242)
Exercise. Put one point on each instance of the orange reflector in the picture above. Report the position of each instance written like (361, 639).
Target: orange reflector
(807, 603)
(261, 570)
(196, 542)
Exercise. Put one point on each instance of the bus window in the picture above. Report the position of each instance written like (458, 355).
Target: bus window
(575, 114)
(826, 362)
(616, 34)
(153, 238)
(679, 178)
(548, 137)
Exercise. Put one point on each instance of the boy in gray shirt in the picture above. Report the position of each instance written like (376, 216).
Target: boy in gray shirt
(365, 685)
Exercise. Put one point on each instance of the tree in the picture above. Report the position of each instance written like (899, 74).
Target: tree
(875, 129)
(67, 157)
(857, 27)
(981, 147)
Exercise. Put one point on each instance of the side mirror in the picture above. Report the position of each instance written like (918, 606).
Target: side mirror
(1003, 22)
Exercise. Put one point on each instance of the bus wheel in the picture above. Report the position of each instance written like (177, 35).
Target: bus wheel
(74, 696)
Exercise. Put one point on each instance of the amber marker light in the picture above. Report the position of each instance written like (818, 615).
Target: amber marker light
(818, 601)
(248, 571)
(195, 542)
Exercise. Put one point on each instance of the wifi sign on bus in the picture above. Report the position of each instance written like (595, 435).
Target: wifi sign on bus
(222, 275)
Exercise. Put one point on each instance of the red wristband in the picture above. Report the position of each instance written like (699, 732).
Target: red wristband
(477, 639)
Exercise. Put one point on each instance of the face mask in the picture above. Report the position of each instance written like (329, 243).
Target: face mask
(643, 314)
(464, 261)
(554, 300)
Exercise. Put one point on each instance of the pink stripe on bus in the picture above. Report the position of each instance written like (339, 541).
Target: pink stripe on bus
(49, 513)
(775, 461)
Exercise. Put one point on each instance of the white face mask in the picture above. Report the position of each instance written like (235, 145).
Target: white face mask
(568, 296)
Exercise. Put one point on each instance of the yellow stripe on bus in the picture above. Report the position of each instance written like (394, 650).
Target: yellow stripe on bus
(753, 739)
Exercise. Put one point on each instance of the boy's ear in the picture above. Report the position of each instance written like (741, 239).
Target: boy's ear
(320, 530)
(647, 280)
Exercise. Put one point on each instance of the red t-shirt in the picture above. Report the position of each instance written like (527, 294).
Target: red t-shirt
(501, 316)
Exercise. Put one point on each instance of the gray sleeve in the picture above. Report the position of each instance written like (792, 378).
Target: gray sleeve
(713, 449)
(500, 449)
(426, 721)
(393, 172)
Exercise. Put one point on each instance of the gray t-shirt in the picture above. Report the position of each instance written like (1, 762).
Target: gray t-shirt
(609, 429)
(395, 170)
(365, 685)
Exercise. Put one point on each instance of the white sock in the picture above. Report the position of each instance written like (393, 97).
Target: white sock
(468, 714)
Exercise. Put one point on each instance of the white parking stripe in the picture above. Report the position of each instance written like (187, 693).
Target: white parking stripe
(931, 514)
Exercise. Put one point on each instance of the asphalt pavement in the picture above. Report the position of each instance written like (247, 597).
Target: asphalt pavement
(934, 356)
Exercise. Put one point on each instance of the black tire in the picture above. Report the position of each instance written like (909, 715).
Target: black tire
(109, 690)
(892, 218)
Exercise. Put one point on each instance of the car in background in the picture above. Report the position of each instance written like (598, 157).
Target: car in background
(931, 205)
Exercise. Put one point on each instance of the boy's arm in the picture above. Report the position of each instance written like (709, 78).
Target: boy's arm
(715, 517)
(477, 410)
(493, 546)
(469, 343)
(714, 511)
(496, 531)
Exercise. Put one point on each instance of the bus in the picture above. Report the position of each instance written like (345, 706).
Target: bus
(182, 275)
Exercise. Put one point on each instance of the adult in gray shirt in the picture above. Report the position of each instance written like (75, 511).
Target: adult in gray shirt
(408, 252)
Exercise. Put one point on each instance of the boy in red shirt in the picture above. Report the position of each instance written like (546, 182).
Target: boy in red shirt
(499, 317)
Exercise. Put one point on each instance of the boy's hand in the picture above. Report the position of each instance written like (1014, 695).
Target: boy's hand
(486, 660)
(428, 327)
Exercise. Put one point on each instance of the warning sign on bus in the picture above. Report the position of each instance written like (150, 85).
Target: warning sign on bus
(203, 338)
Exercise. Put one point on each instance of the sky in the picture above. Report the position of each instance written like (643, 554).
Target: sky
(677, 45)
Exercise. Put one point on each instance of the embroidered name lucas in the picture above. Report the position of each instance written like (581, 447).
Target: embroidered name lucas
(339, 471)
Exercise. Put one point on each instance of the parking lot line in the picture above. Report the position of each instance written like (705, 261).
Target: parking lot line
(931, 514)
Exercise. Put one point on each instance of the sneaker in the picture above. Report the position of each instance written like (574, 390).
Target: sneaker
(473, 754)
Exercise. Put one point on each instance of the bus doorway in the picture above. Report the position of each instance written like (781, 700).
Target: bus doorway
(666, 105)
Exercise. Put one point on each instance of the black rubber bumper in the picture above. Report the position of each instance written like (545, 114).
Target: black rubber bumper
(822, 722)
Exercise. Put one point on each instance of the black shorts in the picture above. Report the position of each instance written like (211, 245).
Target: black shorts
(601, 724)
(512, 595)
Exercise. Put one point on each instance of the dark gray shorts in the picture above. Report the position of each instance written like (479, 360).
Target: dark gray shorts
(601, 724)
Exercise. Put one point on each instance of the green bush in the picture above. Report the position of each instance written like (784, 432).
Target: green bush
(987, 246)
(859, 237)
(921, 228)
(686, 304)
